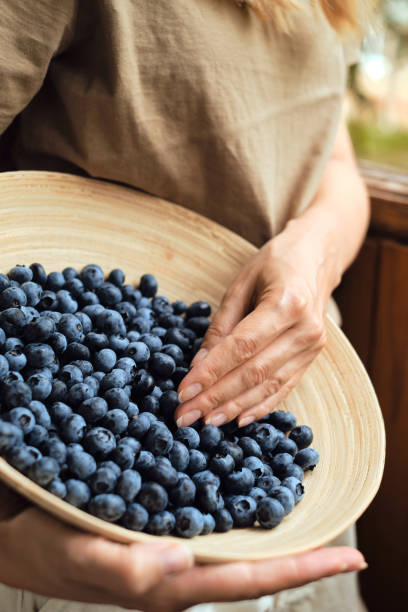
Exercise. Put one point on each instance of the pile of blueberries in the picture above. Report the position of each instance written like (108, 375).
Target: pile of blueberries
(89, 369)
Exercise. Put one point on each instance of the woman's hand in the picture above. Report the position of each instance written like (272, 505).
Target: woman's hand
(270, 325)
(249, 362)
(47, 557)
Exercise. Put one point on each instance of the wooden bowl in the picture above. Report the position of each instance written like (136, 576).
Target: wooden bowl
(60, 220)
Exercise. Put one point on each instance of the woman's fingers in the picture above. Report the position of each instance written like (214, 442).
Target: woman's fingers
(250, 336)
(240, 581)
(250, 383)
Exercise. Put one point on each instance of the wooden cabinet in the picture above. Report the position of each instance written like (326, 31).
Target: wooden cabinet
(373, 298)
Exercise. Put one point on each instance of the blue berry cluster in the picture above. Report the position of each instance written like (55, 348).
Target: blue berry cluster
(89, 368)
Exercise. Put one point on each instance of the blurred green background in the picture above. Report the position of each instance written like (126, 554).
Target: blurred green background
(377, 100)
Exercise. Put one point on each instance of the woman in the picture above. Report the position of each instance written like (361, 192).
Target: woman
(206, 104)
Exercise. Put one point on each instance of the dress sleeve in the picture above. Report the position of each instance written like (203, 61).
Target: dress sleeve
(31, 33)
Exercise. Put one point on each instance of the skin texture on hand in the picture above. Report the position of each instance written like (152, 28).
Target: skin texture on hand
(270, 324)
(43, 555)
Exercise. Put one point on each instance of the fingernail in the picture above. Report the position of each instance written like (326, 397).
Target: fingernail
(362, 566)
(176, 559)
(217, 420)
(189, 392)
(188, 418)
(199, 356)
(246, 421)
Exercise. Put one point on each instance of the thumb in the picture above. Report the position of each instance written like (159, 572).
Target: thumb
(233, 308)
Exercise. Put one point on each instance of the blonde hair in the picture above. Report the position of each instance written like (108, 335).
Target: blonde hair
(343, 15)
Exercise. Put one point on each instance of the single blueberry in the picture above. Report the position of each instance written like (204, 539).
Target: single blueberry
(92, 276)
(307, 458)
(23, 418)
(269, 512)
(222, 464)
(99, 442)
(153, 497)
(302, 435)
(43, 470)
(128, 485)
(135, 517)
(78, 493)
(103, 480)
(105, 360)
(81, 464)
(161, 523)
(57, 487)
(188, 436)
(285, 496)
(189, 522)
(183, 493)
(223, 520)
(73, 428)
(148, 285)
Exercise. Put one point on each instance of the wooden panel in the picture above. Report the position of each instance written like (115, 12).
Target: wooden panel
(383, 530)
(356, 299)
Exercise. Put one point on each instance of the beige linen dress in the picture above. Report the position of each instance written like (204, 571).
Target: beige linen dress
(194, 101)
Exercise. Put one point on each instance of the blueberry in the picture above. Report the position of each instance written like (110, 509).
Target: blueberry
(205, 477)
(198, 309)
(59, 391)
(12, 297)
(39, 274)
(84, 366)
(163, 472)
(93, 309)
(222, 464)
(81, 464)
(165, 384)
(78, 393)
(285, 497)
(78, 492)
(118, 343)
(48, 300)
(230, 448)
(132, 410)
(149, 403)
(223, 520)
(109, 294)
(69, 273)
(255, 464)
(179, 337)
(138, 351)
(295, 486)
(168, 403)
(99, 442)
(183, 493)
(23, 418)
(85, 321)
(286, 445)
(161, 523)
(250, 447)
(65, 302)
(92, 276)
(143, 383)
(128, 485)
(57, 487)
(307, 458)
(71, 327)
(153, 497)
(75, 286)
(285, 421)
(209, 498)
(141, 325)
(139, 426)
(178, 375)
(75, 351)
(4, 367)
(144, 461)
(59, 411)
(10, 436)
(107, 506)
(148, 285)
(55, 448)
(240, 482)
(43, 470)
(199, 325)
(110, 322)
(242, 509)
(267, 436)
(198, 461)
(152, 341)
(179, 307)
(112, 466)
(302, 435)
(37, 436)
(33, 292)
(169, 320)
(188, 436)
(257, 493)
(55, 281)
(124, 455)
(174, 351)
(4, 282)
(159, 439)
(96, 341)
(22, 456)
(280, 463)
(116, 420)
(294, 470)
(73, 428)
(269, 512)
(105, 360)
(189, 522)
(135, 517)
(117, 277)
(133, 443)
(41, 386)
(40, 412)
(162, 365)
(267, 483)
(103, 480)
